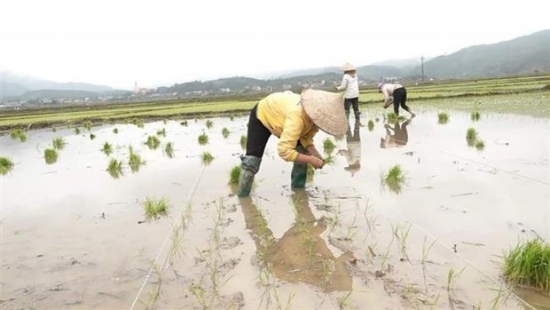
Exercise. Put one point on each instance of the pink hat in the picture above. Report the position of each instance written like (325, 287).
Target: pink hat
(380, 85)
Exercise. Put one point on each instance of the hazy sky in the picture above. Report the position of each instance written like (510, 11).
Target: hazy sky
(117, 42)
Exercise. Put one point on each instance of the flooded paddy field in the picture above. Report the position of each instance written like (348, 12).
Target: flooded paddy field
(75, 236)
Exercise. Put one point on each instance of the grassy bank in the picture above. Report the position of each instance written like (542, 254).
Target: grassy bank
(526, 95)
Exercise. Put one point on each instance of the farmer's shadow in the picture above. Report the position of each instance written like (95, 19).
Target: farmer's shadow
(300, 255)
(398, 138)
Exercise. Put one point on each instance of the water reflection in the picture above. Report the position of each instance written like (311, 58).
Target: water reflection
(300, 255)
(353, 152)
(396, 136)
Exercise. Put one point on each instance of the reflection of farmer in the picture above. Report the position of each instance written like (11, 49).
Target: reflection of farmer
(399, 137)
(353, 153)
(294, 119)
(300, 255)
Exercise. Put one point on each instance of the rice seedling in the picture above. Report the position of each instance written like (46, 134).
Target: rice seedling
(107, 148)
(394, 178)
(138, 122)
(344, 301)
(475, 116)
(87, 125)
(77, 130)
(231, 117)
(528, 264)
(402, 233)
(169, 150)
(225, 132)
(92, 136)
(152, 142)
(328, 146)
(18, 134)
(328, 269)
(471, 136)
(184, 123)
(161, 132)
(310, 170)
(243, 142)
(54, 129)
(203, 139)
(165, 121)
(114, 168)
(209, 124)
(154, 208)
(370, 125)
(6, 165)
(329, 160)
(115, 131)
(425, 252)
(443, 118)
(135, 161)
(206, 158)
(50, 155)
(452, 275)
(394, 118)
(58, 143)
(234, 174)
(480, 145)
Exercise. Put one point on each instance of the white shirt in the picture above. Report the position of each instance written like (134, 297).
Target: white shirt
(351, 85)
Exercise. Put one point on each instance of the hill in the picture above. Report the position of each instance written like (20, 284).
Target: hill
(31, 83)
(523, 55)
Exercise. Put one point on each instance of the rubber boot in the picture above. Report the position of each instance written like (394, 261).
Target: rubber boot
(357, 114)
(249, 167)
(299, 172)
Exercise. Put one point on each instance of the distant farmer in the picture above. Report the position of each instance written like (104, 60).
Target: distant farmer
(395, 93)
(351, 86)
(294, 119)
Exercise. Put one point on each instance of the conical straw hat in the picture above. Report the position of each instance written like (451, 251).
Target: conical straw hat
(348, 67)
(326, 110)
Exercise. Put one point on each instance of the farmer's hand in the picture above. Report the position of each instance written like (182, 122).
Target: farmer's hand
(316, 162)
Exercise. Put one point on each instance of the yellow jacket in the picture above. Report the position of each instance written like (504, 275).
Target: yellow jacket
(285, 118)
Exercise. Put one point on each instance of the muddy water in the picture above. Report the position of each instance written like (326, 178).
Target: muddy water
(71, 238)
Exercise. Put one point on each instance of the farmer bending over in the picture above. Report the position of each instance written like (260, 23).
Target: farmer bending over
(396, 93)
(294, 119)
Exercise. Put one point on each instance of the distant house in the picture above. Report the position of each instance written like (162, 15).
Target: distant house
(141, 90)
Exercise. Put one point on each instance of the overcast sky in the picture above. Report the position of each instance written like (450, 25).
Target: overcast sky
(117, 42)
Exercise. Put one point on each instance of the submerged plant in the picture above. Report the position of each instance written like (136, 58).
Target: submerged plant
(225, 132)
(475, 116)
(234, 174)
(50, 155)
(18, 134)
(203, 139)
(115, 131)
(207, 158)
(243, 141)
(58, 143)
(328, 146)
(394, 178)
(528, 264)
(169, 150)
(107, 148)
(370, 125)
(480, 145)
(115, 168)
(154, 208)
(443, 118)
(209, 124)
(134, 160)
(471, 136)
(152, 142)
(6, 165)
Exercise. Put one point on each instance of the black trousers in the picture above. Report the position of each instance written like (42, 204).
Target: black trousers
(354, 102)
(258, 135)
(400, 99)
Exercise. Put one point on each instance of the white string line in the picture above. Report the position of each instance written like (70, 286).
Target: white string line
(400, 214)
(496, 168)
(190, 195)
